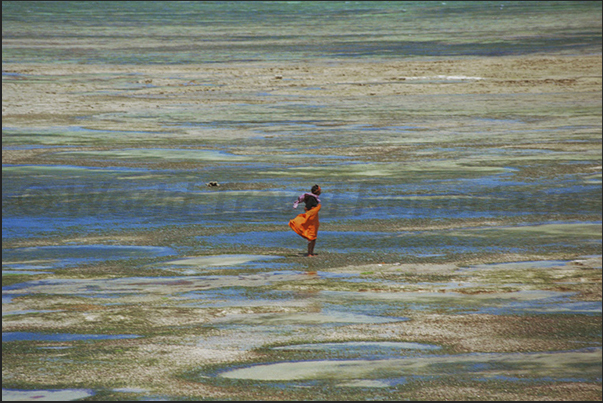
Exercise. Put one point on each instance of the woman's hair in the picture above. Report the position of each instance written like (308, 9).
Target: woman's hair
(315, 189)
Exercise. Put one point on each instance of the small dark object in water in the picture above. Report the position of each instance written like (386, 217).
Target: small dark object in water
(213, 184)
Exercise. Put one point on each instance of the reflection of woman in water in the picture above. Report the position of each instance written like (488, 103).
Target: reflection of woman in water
(306, 224)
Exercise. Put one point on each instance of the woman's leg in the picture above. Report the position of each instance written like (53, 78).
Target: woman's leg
(311, 247)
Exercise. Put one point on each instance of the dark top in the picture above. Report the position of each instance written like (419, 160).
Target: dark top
(310, 201)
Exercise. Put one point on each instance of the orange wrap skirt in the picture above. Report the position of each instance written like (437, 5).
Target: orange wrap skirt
(306, 224)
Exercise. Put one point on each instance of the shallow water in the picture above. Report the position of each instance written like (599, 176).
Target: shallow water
(61, 337)
(505, 303)
(41, 199)
(78, 254)
(559, 365)
(410, 243)
(170, 33)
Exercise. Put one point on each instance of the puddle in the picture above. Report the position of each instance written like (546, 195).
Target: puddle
(61, 337)
(69, 255)
(581, 365)
(505, 303)
(55, 395)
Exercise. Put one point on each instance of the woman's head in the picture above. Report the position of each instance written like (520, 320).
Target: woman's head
(316, 189)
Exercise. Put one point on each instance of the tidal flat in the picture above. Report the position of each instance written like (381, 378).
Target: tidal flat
(459, 250)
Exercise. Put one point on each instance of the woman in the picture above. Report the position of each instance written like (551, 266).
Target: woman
(306, 224)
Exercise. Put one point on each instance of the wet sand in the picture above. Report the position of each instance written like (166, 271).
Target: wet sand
(215, 301)
(63, 93)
